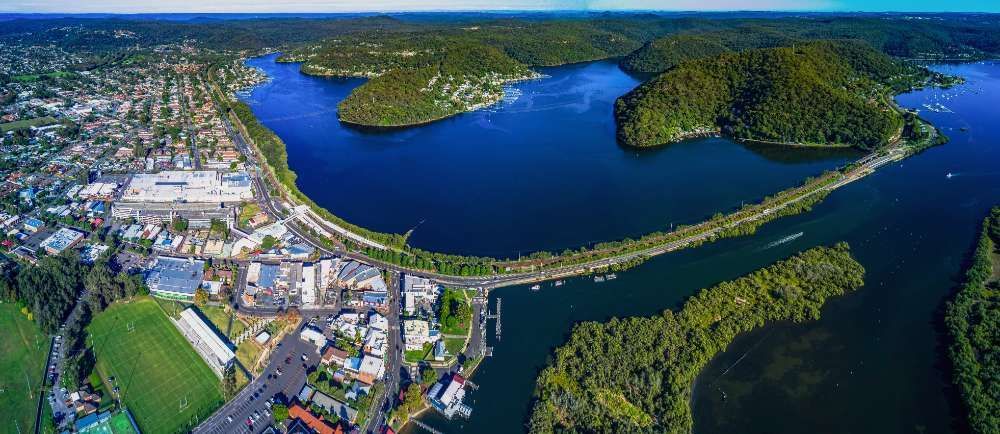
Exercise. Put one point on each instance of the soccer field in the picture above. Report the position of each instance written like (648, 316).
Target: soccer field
(164, 383)
(23, 349)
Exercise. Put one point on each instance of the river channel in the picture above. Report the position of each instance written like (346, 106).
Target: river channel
(872, 364)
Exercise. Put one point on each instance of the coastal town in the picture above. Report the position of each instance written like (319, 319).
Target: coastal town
(472, 221)
(134, 166)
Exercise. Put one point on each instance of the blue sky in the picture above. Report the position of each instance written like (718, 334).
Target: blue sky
(133, 6)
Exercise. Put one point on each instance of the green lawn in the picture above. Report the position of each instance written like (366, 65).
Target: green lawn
(23, 349)
(164, 383)
(220, 319)
(247, 212)
(247, 353)
(27, 78)
(454, 346)
(27, 123)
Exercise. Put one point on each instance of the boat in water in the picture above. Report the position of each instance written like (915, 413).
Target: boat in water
(536, 287)
(559, 283)
(612, 276)
(598, 279)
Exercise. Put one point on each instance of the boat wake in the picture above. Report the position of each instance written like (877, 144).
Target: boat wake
(784, 240)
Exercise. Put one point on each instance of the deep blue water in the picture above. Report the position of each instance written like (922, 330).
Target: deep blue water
(541, 171)
(872, 364)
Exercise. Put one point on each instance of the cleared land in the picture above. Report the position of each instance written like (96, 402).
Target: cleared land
(23, 349)
(165, 384)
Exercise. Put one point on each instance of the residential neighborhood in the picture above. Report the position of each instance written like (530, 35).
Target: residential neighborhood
(136, 169)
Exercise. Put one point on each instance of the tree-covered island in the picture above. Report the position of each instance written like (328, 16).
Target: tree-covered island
(635, 374)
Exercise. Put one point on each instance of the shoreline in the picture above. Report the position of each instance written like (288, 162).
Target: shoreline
(510, 272)
(400, 126)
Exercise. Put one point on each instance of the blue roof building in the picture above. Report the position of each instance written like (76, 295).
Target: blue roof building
(175, 278)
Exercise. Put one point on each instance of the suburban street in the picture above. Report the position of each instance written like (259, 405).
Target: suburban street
(393, 359)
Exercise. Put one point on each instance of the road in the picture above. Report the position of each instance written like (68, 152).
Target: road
(393, 361)
(867, 165)
(394, 370)
(57, 358)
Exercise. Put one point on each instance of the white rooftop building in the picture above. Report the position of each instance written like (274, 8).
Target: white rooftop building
(188, 186)
(314, 336)
(308, 284)
(209, 346)
(371, 366)
(416, 333)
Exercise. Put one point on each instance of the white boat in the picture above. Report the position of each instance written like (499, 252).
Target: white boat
(949, 175)
(612, 276)
(536, 287)
(559, 283)
(598, 279)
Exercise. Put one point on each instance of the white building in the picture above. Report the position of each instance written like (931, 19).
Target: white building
(416, 333)
(308, 286)
(188, 186)
(418, 290)
(371, 370)
(314, 336)
(376, 342)
(209, 346)
(448, 397)
(378, 322)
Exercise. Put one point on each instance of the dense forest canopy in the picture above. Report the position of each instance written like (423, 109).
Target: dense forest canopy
(402, 90)
(460, 77)
(973, 322)
(404, 53)
(635, 374)
(823, 92)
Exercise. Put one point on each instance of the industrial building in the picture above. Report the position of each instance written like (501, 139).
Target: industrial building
(209, 346)
(175, 278)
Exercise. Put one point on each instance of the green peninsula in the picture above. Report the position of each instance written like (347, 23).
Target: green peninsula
(635, 374)
(818, 93)
(462, 78)
(973, 322)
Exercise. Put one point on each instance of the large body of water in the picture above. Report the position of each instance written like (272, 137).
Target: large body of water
(540, 171)
(872, 364)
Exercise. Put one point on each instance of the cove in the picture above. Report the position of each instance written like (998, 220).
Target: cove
(539, 171)
(872, 364)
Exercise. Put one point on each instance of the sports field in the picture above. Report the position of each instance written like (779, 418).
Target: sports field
(23, 349)
(116, 424)
(164, 383)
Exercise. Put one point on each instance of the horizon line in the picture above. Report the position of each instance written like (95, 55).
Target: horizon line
(507, 11)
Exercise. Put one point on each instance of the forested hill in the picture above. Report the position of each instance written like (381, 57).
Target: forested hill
(634, 375)
(664, 53)
(973, 322)
(822, 93)
(970, 37)
(420, 76)
(462, 78)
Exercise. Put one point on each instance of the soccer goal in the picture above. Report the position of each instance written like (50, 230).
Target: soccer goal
(182, 404)
(130, 326)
